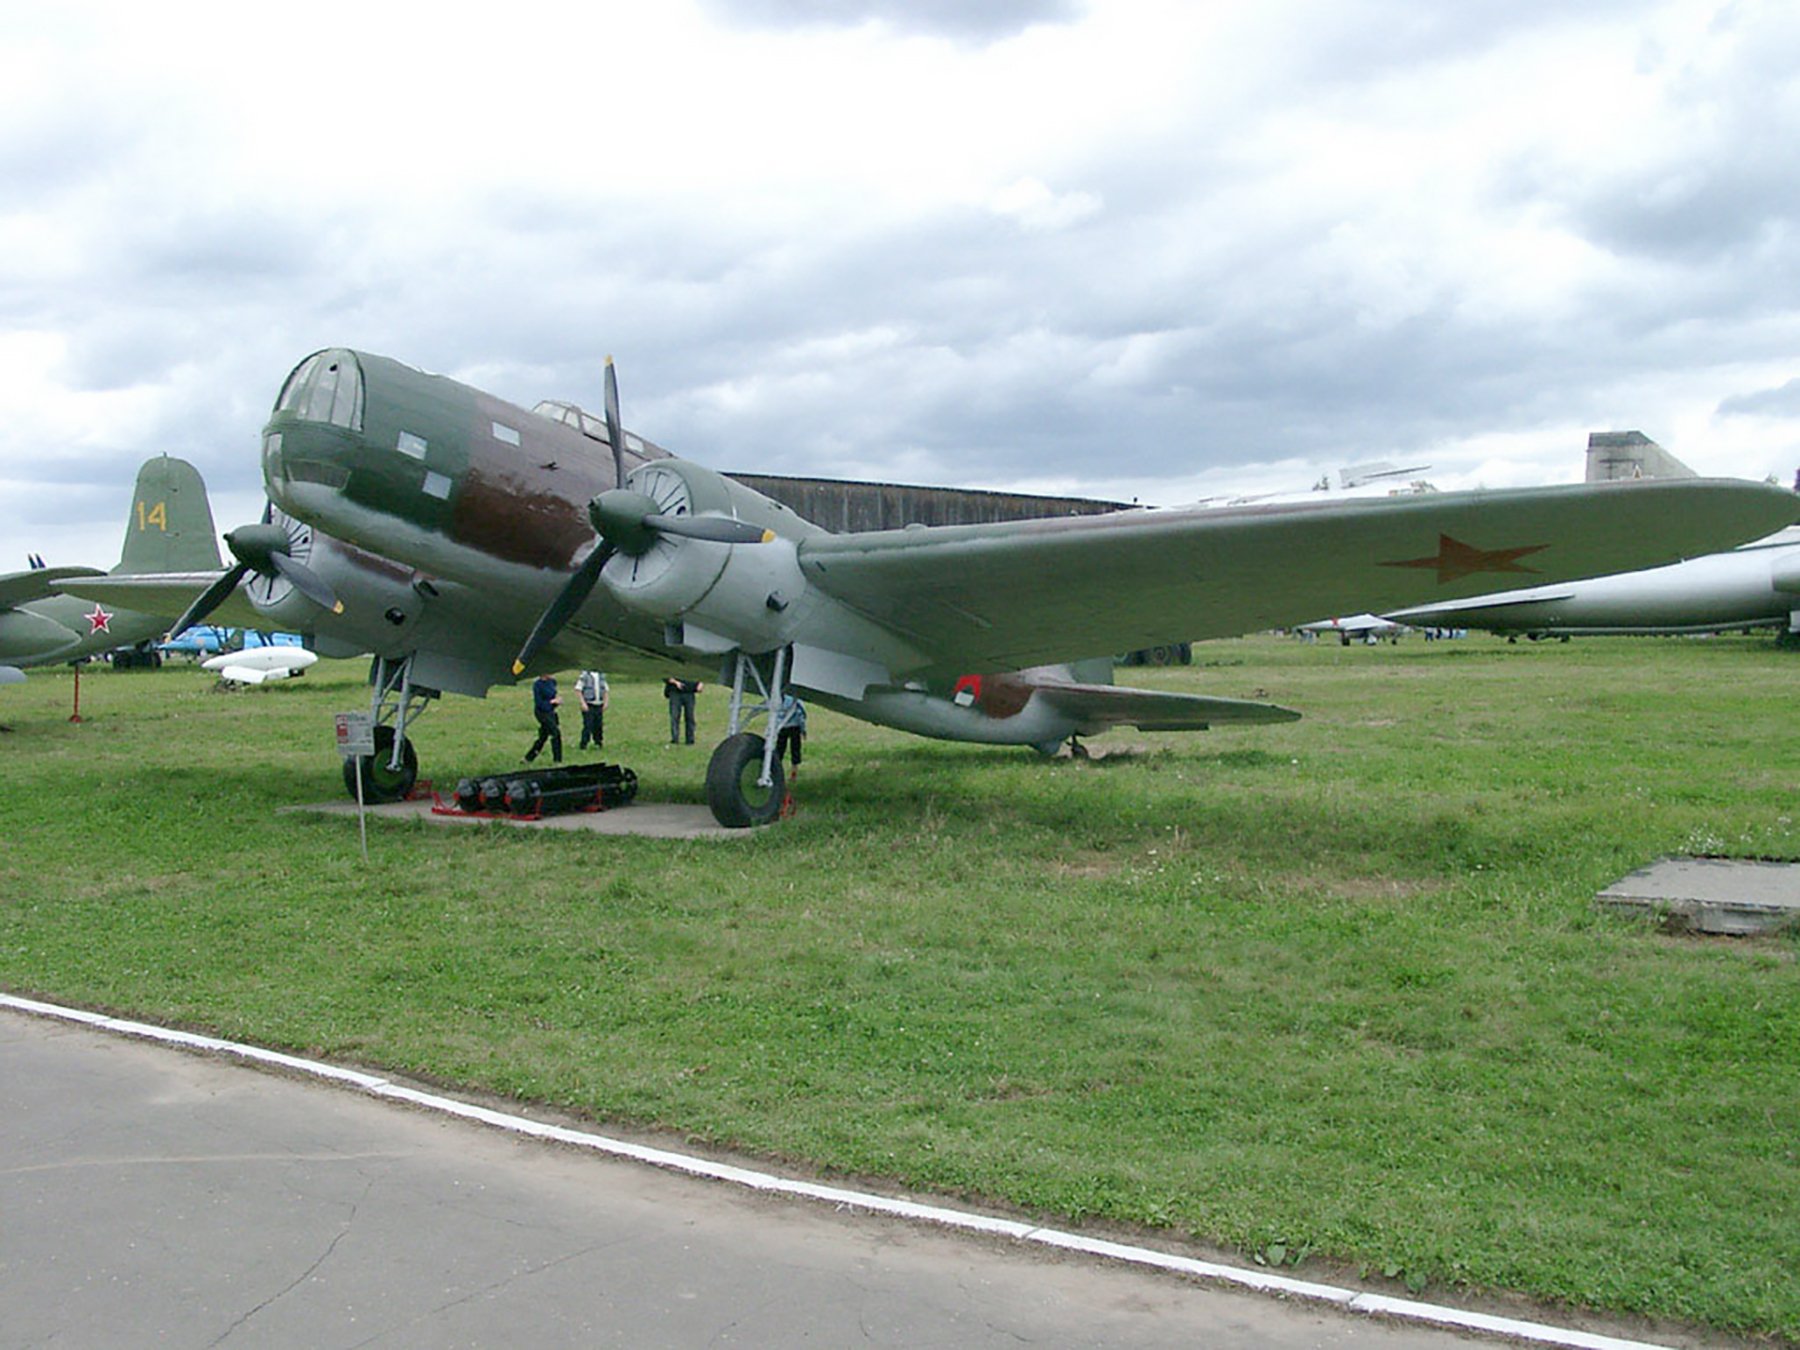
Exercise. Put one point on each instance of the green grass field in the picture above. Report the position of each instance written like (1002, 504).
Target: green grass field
(1333, 994)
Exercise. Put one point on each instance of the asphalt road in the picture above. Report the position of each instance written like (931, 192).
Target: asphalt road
(153, 1196)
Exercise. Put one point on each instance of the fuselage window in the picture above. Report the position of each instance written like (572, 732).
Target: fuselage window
(570, 416)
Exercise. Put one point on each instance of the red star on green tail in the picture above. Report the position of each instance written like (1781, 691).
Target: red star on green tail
(1456, 560)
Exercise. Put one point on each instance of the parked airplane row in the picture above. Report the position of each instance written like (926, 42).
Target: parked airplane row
(467, 542)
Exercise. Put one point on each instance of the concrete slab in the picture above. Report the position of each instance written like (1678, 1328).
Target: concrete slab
(655, 820)
(1711, 895)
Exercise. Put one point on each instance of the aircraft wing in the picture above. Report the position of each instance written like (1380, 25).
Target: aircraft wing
(1097, 706)
(16, 588)
(1025, 593)
(167, 593)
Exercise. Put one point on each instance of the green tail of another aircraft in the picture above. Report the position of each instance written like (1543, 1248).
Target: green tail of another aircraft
(170, 528)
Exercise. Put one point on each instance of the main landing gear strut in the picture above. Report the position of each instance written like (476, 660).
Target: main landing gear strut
(745, 783)
(395, 702)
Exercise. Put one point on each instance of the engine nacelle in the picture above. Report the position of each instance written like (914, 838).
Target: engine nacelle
(742, 593)
(384, 592)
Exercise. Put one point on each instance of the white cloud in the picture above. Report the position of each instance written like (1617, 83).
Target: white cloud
(1134, 248)
(1036, 207)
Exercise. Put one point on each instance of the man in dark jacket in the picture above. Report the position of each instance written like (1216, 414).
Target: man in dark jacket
(544, 703)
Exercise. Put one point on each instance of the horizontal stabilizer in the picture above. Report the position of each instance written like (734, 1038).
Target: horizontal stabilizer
(18, 588)
(1108, 705)
(167, 593)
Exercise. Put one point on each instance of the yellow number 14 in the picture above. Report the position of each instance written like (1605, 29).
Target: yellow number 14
(157, 515)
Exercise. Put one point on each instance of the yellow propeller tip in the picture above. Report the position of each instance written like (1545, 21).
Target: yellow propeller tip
(338, 608)
(518, 667)
(768, 537)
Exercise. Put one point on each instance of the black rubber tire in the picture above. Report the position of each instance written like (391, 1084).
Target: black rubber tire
(380, 783)
(731, 791)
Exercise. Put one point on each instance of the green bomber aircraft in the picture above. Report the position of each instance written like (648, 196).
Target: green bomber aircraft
(170, 527)
(467, 542)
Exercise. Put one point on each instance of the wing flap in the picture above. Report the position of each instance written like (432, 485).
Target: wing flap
(1035, 592)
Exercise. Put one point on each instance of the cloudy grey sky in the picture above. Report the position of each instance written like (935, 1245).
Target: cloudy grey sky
(1128, 248)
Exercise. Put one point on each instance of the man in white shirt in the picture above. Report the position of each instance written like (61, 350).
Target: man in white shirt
(590, 686)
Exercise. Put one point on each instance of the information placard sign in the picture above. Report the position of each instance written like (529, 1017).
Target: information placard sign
(355, 734)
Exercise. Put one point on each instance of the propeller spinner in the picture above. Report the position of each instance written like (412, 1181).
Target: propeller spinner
(265, 549)
(627, 522)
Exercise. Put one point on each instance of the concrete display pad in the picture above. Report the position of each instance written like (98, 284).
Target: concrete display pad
(1711, 895)
(655, 820)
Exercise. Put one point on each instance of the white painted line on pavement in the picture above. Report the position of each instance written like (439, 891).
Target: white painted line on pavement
(1379, 1305)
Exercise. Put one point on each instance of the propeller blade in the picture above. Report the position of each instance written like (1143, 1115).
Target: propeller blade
(562, 609)
(210, 599)
(614, 432)
(714, 529)
(620, 517)
(308, 582)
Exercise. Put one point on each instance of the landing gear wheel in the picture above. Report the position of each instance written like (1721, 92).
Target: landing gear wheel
(381, 783)
(731, 788)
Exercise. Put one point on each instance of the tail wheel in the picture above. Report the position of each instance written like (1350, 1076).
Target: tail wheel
(380, 783)
(737, 801)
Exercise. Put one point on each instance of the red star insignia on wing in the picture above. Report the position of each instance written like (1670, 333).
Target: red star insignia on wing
(99, 621)
(1456, 560)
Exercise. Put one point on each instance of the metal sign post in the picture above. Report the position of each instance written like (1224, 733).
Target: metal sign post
(356, 737)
